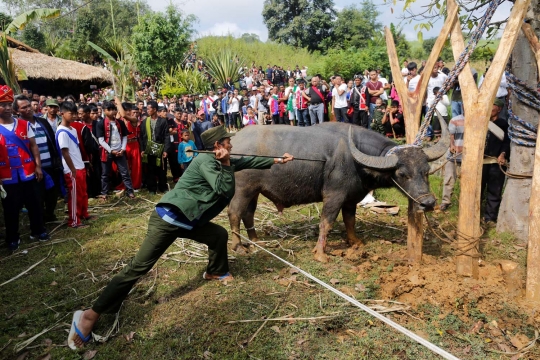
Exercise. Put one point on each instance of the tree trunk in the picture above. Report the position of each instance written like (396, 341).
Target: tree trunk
(514, 211)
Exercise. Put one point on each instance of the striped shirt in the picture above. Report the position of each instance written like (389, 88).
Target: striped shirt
(41, 142)
(457, 128)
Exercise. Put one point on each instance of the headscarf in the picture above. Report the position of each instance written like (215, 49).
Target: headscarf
(6, 94)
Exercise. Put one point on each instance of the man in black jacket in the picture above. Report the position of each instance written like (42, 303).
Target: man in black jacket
(158, 134)
(496, 153)
(359, 101)
(50, 160)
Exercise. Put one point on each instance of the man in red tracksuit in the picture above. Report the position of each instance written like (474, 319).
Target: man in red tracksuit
(68, 141)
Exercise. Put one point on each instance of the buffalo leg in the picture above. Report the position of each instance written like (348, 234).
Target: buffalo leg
(349, 219)
(238, 208)
(328, 217)
(249, 219)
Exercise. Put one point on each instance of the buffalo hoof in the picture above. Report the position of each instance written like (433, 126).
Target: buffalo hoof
(320, 256)
(355, 242)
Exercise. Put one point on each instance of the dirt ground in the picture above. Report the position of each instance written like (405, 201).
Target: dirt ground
(173, 314)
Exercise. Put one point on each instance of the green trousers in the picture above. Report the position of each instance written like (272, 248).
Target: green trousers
(159, 237)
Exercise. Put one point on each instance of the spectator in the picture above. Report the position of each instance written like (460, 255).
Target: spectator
(452, 168)
(492, 176)
(394, 125)
(200, 126)
(314, 95)
(359, 102)
(412, 78)
(442, 108)
(48, 154)
(302, 112)
(290, 95)
(112, 135)
(378, 114)
(234, 108)
(339, 100)
(20, 172)
(250, 118)
(184, 155)
(67, 139)
(52, 113)
(375, 89)
(156, 141)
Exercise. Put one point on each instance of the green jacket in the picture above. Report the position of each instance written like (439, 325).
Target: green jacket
(207, 186)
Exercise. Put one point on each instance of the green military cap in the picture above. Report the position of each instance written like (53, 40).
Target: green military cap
(498, 102)
(210, 136)
(51, 102)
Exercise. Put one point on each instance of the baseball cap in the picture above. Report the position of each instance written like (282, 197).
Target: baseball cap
(210, 136)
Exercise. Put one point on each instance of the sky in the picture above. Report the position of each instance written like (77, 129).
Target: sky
(220, 17)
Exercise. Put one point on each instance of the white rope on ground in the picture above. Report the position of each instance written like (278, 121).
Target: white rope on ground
(382, 318)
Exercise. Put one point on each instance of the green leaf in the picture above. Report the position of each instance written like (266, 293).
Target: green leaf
(20, 22)
(102, 52)
(420, 37)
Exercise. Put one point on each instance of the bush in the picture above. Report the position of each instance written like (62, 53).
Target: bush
(182, 81)
(347, 63)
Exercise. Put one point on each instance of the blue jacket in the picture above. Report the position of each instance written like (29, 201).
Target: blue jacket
(183, 156)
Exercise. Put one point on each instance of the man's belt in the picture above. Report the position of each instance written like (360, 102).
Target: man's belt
(316, 103)
(132, 140)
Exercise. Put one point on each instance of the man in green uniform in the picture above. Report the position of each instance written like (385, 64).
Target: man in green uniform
(204, 190)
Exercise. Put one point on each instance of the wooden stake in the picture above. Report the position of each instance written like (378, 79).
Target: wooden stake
(533, 255)
(412, 112)
(478, 105)
(415, 234)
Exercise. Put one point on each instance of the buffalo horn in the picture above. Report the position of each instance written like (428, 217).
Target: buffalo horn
(436, 151)
(369, 161)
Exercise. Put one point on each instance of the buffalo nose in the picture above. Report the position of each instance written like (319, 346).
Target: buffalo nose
(429, 203)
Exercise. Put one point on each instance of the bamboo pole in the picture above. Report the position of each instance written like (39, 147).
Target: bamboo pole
(532, 291)
(478, 105)
(412, 102)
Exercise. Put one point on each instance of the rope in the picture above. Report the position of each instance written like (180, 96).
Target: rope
(453, 157)
(458, 67)
(520, 131)
(355, 302)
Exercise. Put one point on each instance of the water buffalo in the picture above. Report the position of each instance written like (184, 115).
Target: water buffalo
(356, 163)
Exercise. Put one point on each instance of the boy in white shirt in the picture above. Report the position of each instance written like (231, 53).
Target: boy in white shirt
(339, 99)
(74, 169)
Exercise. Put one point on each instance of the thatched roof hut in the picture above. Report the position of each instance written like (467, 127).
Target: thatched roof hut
(55, 76)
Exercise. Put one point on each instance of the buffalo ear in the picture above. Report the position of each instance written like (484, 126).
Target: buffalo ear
(436, 151)
(369, 161)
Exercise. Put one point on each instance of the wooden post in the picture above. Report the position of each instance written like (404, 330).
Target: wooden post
(412, 111)
(533, 255)
(478, 105)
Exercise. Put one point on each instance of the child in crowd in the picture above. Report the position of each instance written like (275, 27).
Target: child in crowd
(393, 122)
(74, 169)
(185, 157)
(249, 118)
(245, 107)
(378, 114)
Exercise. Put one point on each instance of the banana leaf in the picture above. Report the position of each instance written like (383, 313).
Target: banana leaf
(8, 72)
(20, 22)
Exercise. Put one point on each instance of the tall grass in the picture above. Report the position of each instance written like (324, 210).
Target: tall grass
(259, 52)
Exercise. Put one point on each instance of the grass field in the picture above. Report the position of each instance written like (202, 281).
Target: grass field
(173, 314)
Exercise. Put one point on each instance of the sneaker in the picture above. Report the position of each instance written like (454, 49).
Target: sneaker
(444, 207)
(14, 245)
(42, 237)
